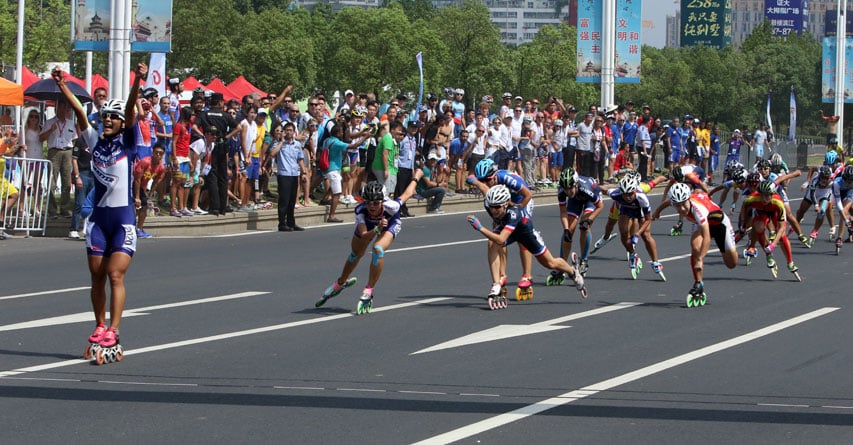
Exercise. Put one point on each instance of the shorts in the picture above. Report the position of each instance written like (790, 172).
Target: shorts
(555, 159)
(183, 171)
(395, 225)
(759, 151)
(253, 169)
(334, 178)
(7, 189)
(353, 157)
(848, 196)
(143, 198)
(456, 150)
(473, 160)
(577, 208)
(675, 156)
(111, 230)
(362, 157)
(723, 234)
(528, 238)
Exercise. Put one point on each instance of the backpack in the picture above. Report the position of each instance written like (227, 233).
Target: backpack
(323, 158)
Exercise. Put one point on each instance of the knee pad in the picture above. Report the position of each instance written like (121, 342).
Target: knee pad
(378, 253)
(352, 257)
(567, 235)
(584, 225)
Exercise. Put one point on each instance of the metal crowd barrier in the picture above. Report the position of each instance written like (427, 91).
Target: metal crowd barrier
(32, 178)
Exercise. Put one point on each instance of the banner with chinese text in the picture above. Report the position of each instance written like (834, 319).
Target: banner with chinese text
(628, 41)
(827, 69)
(706, 22)
(787, 16)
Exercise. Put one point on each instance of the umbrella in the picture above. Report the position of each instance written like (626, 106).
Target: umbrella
(47, 90)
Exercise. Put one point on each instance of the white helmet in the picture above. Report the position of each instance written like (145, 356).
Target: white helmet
(497, 195)
(114, 106)
(679, 192)
(628, 184)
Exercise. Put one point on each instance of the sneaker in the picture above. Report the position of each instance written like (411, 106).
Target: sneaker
(73, 234)
(247, 209)
(143, 234)
(199, 211)
(175, 213)
(435, 211)
(186, 212)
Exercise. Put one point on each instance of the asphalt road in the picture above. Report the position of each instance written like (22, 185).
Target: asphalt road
(223, 344)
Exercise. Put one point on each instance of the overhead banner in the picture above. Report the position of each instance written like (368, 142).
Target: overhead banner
(628, 41)
(827, 84)
(151, 25)
(706, 22)
(787, 16)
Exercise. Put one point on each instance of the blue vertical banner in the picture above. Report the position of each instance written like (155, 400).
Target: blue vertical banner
(628, 41)
(827, 70)
(787, 16)
(628, 26)
(589, 41)
(792, 124)
(151, 26)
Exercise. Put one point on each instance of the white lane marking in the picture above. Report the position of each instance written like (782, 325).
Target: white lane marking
(470, 394)
(783, 405)
(301, 388)
(837, 407)
(505, 331)
(46, 292)
(87, 316)
(433, 246)
(359, 390)
(218, 337)
(571, 396)
(434, 393)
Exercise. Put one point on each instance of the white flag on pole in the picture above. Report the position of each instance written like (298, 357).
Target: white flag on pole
(157, 73)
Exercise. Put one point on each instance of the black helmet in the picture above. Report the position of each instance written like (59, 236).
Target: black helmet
(847, 174)
(752, 179)
(568, 178)
(373, 191)
(678, 173)
(764, 163)
(824, 171)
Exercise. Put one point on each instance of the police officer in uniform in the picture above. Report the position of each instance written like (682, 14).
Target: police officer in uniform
(224, 126)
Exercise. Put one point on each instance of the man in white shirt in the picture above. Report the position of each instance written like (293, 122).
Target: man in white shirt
(60, 132)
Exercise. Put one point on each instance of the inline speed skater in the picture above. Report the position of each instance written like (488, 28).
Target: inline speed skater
(686, 174)
(710, 222)
(515, 225)
(486, 175)
(634, 222)
(845, 190)
(377, 220)
(768, 208)
(822, 193)
(580, 203)
(613, 214)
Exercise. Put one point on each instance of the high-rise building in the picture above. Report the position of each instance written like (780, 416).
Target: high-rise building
(673, 31)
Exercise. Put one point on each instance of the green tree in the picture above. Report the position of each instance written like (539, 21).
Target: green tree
(46, 33)
(547, 66)
(205, 38)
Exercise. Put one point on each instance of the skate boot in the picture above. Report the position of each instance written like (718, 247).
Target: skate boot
(812, 238)
(334, 290)
(95, 342)
(601, 243)
(497, 296)
(732, 210)
(634, 264)
(524, 291)
(579, 284)
(109, 350)
(365, 303)
(749, 254)
(838, 243)
(584, 267)
(794, 270)
(697, 297)
(832, 231)
(771, 264)
(804, 240)
(771, 235)
(658, 268)
(676, 229)
(555, 279)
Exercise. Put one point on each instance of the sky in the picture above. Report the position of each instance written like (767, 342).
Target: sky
(655, 11)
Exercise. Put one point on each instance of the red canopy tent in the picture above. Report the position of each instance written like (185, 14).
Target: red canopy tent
(133, 77)
(217, 86)
(191, 83)
(99, 81)
(242, 87)
(70, 78)
(28, 77)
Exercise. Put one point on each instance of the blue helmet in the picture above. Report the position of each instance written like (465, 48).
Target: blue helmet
(831, 158)
(485, 168)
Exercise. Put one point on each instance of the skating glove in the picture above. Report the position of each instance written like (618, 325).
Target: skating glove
(475, 223)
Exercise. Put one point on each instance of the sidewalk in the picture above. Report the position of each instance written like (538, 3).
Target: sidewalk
(238, 222)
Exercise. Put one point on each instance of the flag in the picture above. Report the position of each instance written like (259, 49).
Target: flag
(767, 117)
(792, 127)
(157, 73)
(420, 58)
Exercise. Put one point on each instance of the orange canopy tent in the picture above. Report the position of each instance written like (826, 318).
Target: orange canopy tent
(242, 87)
(217, 86)
(11, 93)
